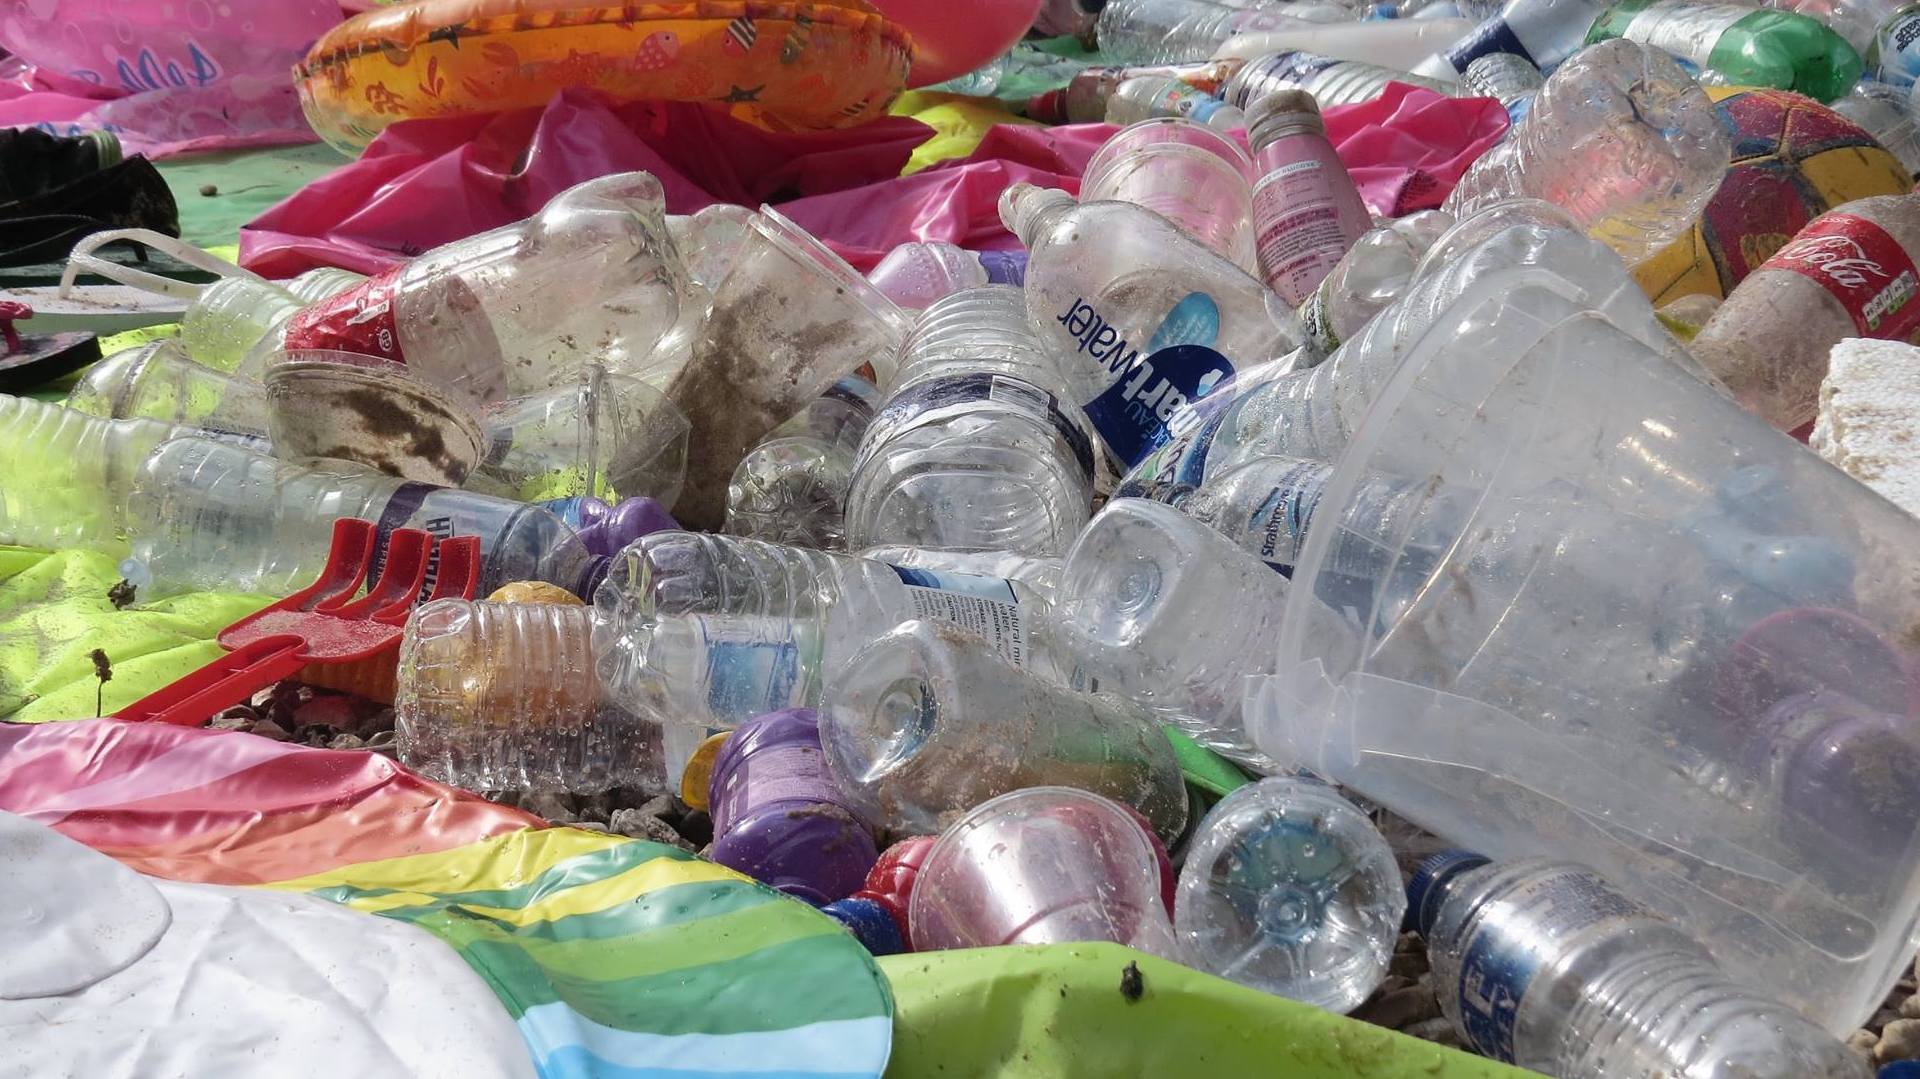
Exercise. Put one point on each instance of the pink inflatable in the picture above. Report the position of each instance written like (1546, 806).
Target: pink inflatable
(952, 37)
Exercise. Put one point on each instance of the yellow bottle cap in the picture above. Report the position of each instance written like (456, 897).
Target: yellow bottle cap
(693, 781)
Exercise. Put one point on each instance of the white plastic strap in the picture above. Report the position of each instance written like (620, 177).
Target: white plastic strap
(83, 258)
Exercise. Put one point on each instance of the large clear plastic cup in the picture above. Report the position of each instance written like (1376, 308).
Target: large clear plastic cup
(159, 381)
(790, 317)
(1627, 624)
(1186, 172)
(1044, 865)
(605, 435)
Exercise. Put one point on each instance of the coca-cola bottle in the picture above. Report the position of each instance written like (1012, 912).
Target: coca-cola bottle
(1850, 273)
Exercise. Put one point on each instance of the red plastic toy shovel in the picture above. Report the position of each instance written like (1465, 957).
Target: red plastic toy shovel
(327, 633)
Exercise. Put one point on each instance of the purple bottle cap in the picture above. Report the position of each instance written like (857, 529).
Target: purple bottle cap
(1004, 267)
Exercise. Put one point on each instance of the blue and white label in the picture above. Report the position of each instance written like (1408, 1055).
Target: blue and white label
(1195, 320)
(1173, 470)
(1497, 966)
(985, 606)
(1154, 402)
(1895, 56)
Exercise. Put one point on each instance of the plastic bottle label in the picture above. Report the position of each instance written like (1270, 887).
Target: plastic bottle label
(938, 398)
(1177, 466)
(360, 320)
(1280, 521)
(754, 665)
(985, 606)
(1863, 267)
(1287, 68)
(1301, 236)
(1685, 28)
(1893, 53)
(1496, 969)
(1154, 401)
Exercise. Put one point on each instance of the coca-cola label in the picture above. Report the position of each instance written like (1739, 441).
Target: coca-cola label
(1863, 267)
(358, 320)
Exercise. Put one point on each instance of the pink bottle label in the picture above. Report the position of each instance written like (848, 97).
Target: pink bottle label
(1863, 267)
(1306, 214)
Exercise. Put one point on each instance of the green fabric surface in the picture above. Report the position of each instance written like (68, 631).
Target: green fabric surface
(246, 182)
(54, 611)
(1057, 1011)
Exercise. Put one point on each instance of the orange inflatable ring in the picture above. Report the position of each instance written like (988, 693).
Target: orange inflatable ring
(785, 66)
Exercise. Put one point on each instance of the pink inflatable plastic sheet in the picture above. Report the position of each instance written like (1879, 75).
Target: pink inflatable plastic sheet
(166, 77)
(1407, 150)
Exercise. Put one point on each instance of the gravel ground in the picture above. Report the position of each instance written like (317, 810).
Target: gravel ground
(290, 712)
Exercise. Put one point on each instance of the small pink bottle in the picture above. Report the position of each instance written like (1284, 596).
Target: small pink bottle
(1306, 211)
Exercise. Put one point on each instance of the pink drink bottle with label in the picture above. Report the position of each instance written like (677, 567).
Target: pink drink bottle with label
(1849, 273)
(1306, 210)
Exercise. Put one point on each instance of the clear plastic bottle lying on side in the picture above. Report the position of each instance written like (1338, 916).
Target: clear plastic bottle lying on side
(1887, 113)
(1288, 888)
(1374, 272)
(1541, 33)
(1172, 31)
(1165, 95)
(1084, 99)
(1039, 575)
(158, 381)
(209, 515)
(1743, 46)
(709, 631)
(1508, 78)
(792, 487)
(64, 475)
(1110, 286)
(1622, 139)
(978, 446)
(1545, 965)
(928, 721)
(503, 696)
(1330, 81)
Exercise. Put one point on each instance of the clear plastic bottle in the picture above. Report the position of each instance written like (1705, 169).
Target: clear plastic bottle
(1166, 95)
(64, 475)
(158, 381)
(1084, 99)
(1622, 139)
(1743, 46)
(1039, 575)
(210, 515)
(1541, 33)
(792, 487)
(1306, 210)
(512, 311)
(928, 721)
(709, 631)
(1110, 286)
(1288, 888)
(1374, 272)
(503, 696)
(1175, 31)
(978, 446)
(1160, 608)
(1509, 78)
(916, 274)
(1888, 114)
(1330, 81)
(1545, 965)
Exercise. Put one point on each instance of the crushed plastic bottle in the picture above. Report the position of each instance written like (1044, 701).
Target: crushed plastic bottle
(978, 447)
(1745, 46)
(1622, 139)
(792, 487)
(1288, 888)
(1187, 172)
(1545, 965)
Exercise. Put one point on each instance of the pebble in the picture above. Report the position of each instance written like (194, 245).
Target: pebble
(336, 711)
(1408, 964)
(1438, 1029)
(237, 718)
(1900, 1041)
(1399, 1008)
(1862, 1042)
(267, 728)
(551, 806)
(1910, 1008)
(208, 190)
(347, 741)
(638, 825)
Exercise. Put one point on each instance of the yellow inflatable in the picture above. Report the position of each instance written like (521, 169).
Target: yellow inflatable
(784, 66)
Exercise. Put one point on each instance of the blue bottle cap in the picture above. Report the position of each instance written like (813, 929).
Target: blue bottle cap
(869, 923)
(1899, 1069)
(1004, 267)
(1423, 888)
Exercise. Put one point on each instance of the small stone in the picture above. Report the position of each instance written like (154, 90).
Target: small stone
(1391, 983)
(1402, 1006)
(589, 826)
(346, 741)
(1408, 965)
(1910, 1008)
(267, 728)
(377, 722)
(596, 806)
(1438, 1029)
(380, 739)
(208, 190)
(660, 805)
(638, 825)
(1882, 1017)
(1862, 1042)
(549, 805)
(340, 713)
(237, 718)
(1410, 942)
(1900, 1041)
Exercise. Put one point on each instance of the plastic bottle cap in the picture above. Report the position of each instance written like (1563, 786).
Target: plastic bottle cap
(1282, 112)
(1435, 870)
(693, 781)
(869, 923)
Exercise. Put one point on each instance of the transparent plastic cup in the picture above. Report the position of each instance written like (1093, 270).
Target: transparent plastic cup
(608, 436)
(1655, 636)
(1045, 865)
(790, 317)
(326, 406)
(918, 274)
(159, 381)
(1186, 172)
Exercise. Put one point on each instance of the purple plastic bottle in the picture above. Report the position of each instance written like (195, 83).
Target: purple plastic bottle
(779, 817)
